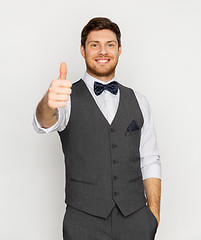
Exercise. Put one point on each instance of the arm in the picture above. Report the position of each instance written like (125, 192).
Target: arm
(56, 97)
(153, 192)
(150, 159)
(46, 116)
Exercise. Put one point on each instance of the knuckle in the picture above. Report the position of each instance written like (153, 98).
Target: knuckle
(50, 96)
(52, 88)
(49, 102)
(69, 91)
(54, 82)
(69, 83)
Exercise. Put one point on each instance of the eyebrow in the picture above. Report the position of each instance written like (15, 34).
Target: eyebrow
(99, 41)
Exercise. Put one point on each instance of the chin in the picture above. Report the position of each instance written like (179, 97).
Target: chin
(101, 73)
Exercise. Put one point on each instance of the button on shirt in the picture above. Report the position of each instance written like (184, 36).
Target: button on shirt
(108, 104)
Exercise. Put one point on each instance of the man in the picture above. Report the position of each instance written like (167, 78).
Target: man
(108, 139)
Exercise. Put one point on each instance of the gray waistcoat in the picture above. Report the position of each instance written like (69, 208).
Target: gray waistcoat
(102, 160)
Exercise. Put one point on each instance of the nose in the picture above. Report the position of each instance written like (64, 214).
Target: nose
(103, 50)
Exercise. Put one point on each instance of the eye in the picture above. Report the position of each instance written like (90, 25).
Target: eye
(111, 45)
(94, 45)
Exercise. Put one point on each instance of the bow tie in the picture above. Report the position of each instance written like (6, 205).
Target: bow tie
(99, 87)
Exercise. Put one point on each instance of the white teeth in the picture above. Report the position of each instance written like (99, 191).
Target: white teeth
(102, 61)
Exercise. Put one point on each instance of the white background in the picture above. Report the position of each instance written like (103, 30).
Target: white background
(161, 58)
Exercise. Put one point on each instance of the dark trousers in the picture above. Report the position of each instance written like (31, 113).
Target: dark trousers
(78, 225)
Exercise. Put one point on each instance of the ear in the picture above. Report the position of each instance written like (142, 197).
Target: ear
(120, 50)
(82, 50)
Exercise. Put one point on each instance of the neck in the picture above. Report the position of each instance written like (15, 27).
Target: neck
(102, 78)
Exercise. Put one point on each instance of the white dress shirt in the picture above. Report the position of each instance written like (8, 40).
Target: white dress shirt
(108, 104)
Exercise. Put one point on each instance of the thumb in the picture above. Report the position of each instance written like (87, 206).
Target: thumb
(63, 71)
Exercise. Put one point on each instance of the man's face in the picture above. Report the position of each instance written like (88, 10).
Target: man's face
(101, 54)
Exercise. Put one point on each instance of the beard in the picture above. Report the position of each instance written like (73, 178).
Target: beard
(99, 71)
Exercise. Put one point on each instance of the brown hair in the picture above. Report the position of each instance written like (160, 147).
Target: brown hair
(100, 23)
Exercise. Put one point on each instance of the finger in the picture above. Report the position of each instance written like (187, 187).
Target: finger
(62, 83)
(63, 90)
(62, 97)
(63, 71)
(60, 104)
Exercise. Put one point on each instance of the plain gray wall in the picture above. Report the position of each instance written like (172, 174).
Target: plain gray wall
(160, 58)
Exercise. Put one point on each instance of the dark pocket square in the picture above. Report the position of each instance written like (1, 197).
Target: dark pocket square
(132, 126)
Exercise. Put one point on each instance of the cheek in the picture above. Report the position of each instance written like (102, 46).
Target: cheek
(91, 55)
(91, 51)
(114, 53)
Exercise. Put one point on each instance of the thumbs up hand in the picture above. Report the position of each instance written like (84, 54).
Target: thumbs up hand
(59, 90)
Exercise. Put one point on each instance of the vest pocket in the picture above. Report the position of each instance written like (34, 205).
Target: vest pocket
(82, 181)
(135, 132)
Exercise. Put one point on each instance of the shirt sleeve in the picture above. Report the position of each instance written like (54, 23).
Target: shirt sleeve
(150, 158)
(60, 125)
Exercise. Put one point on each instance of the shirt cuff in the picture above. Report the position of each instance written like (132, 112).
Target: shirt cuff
(151, 167)
(39, 129)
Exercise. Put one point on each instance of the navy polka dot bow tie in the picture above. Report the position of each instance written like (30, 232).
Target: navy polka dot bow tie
(112, 87)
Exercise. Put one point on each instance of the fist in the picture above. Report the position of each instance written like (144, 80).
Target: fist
(59, 90)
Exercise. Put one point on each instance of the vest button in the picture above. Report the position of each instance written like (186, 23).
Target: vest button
(112, 130)
(115, 177)
(116, 193)
(114, 145)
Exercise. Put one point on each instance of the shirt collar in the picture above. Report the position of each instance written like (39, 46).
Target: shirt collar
(89, 80)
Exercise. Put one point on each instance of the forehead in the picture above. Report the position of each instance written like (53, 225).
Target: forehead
(101, 35)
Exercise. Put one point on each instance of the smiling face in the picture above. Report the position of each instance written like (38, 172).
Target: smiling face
(101, 54)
